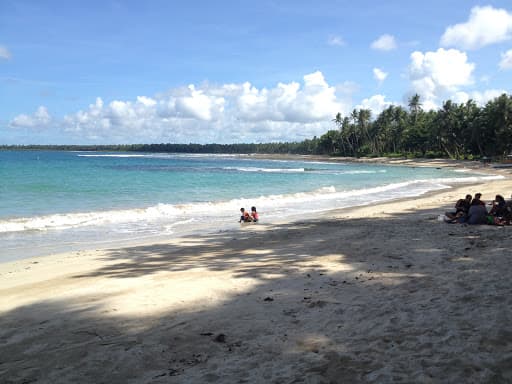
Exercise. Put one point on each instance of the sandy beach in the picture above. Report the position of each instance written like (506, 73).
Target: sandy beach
(375, 294)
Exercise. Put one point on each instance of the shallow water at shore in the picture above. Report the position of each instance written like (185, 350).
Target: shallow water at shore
(60, 201)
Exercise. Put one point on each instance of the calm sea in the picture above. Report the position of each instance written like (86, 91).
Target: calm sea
(61, 201)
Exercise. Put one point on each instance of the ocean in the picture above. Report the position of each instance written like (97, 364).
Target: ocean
(55, 201)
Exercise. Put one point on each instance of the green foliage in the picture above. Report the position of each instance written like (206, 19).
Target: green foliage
(458, 131)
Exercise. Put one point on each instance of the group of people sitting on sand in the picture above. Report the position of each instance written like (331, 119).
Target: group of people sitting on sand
(474, 211)
(253, 217)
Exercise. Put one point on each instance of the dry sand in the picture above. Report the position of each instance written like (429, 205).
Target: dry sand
(383, 294)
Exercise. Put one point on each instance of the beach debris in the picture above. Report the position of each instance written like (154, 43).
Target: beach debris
(220, 338)
(206, 334)
(268, 298)
(88, 332)
(318, 303)
(290, 312)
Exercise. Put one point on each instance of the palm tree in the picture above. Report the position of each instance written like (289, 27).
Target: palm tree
(338, 120)
(415, 106)
(363, 120)
(414, 103)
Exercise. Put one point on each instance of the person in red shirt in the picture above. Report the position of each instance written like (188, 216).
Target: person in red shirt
(254, 214)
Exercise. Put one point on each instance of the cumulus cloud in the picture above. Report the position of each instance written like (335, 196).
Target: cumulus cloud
(384, 43)
(379, 75)
(486, 25)
(438, 74)
(40, 119)
(506, 60)
(196, 104)
(209, 113)
(480, 97)
(376, 103)
(290, 102)
(4, 53)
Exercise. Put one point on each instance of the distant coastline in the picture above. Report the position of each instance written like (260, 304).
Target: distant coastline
(241, 148)
(278, 151)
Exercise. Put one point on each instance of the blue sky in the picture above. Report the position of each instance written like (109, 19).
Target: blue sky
(104, 72)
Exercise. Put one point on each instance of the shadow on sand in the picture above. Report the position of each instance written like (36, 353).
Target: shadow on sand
(398, 299)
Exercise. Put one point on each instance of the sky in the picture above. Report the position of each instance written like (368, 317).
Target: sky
(201, 71)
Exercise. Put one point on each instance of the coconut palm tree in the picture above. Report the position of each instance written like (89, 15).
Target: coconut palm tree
(415, 106)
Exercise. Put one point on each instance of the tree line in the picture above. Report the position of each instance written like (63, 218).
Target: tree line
(456, 131)
(304, 147)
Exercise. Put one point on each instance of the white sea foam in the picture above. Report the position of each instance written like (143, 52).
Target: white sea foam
(270, 170)
(358, 172)
(167, 217)
(300, 170)
(110, 155)
(157, 155)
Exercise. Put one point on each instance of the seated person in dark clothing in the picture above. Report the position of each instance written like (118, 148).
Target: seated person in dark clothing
(499, 207)
(477, 201)
(477, 214)
(461, 208)
(508, 215)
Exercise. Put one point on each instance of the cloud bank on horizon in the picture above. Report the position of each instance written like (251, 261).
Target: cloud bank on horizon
(207, 112)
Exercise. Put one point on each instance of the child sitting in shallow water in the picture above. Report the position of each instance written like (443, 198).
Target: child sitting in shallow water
(254, 214)
(248, 218)
(245, 217)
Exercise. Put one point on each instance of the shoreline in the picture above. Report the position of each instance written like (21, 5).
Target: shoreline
(414, 162)
(68, 245)
(380, 293)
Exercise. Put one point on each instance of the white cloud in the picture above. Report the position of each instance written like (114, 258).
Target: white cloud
(480, 97)
(210, 113)
(384, 43)
(486, 25)
(4, 53)
(379, 75)
(336, 41)
(288, 102)
(435, 75)
(147, 101)
(506, 60)
(376, 103)
(198, 105)
(40, 119)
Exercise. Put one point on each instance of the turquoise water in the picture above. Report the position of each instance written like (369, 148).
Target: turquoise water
(55, 201)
